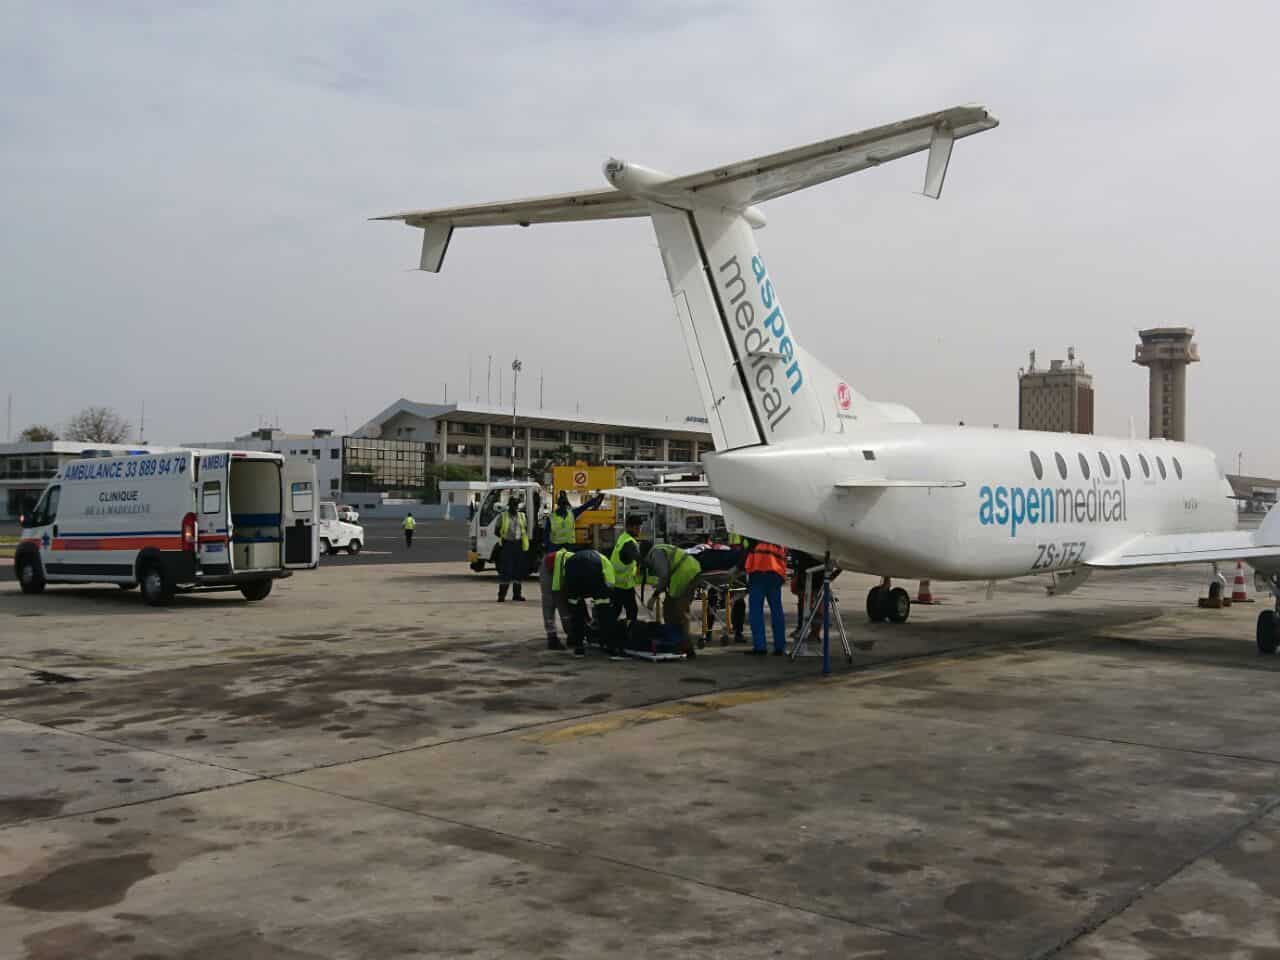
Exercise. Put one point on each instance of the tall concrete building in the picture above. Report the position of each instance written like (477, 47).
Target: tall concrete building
(1058, 399)
(1166, 351)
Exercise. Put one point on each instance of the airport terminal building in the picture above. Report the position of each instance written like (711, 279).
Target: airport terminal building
(494, 442)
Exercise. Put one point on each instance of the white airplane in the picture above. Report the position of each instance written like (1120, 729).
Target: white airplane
(803, 459)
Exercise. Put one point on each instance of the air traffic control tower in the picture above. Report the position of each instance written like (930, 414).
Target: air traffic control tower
(1166, 351)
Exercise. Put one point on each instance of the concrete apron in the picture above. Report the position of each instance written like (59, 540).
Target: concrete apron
(369, 765)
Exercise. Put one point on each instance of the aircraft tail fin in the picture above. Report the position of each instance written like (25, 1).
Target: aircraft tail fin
(757, 385)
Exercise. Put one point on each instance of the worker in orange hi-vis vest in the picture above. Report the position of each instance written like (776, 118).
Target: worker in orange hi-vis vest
(766, 572)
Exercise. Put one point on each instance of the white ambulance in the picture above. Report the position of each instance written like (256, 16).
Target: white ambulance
(180, 520)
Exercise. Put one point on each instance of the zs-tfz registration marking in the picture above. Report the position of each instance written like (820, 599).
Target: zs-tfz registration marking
(1057, 556)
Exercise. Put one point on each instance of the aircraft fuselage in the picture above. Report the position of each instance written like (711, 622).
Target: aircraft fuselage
(1001, 517)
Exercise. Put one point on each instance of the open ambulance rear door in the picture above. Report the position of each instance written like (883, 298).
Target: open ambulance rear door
(301, 522)
(213, 535)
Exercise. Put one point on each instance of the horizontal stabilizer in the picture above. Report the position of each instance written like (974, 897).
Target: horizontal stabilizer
(681, 501)
(873, 483)
(733, 187)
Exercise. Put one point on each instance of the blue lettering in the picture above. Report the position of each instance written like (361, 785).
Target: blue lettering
(1017, 509)
(774, 322)
(1015, 506)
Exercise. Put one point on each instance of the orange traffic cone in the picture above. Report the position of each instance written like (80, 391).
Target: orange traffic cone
(925, 594)
(1238, 592)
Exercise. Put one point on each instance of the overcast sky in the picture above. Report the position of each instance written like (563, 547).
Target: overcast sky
(186, 186)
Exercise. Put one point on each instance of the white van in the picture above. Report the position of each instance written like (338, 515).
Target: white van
(177, 521)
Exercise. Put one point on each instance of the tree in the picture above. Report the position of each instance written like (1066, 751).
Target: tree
(38, 431)
(98, 425)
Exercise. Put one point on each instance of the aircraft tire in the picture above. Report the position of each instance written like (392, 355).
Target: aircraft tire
(1268, 632)
(899, 605)
(876, 611)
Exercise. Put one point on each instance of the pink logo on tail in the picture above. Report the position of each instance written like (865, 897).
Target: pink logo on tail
(844, 396)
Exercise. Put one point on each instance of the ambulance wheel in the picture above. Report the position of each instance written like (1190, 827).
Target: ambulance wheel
(326, 548)
(899, 605)
(30, 576)
(1268, 631)
(353, 547)
(876, 612)
(258, 590)
(156, 588)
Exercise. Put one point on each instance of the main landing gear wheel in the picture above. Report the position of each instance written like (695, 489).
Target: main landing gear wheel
(1268, 631)
(876, 611)
(899, 605)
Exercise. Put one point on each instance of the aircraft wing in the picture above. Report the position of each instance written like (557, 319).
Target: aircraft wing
(682, 501)
(1170, 548)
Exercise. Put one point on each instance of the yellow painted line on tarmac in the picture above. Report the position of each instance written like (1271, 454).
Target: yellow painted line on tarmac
(677, 710)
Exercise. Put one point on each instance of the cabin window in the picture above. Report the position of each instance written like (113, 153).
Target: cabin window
(1124, 465)
(868, 454)
(1037, 466)
(1160, 467)
(1084, 465)
(1106, 464)
(1062, 465)
(1146, 467)
(1177, 467)
(211, 497)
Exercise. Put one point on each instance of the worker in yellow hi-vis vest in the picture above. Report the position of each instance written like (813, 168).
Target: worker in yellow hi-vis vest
(626, 562)
(562, 524)
(408, 525)
(513, 535)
